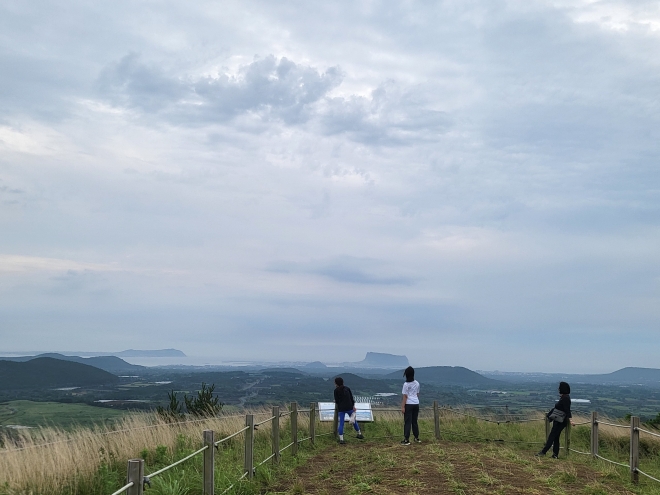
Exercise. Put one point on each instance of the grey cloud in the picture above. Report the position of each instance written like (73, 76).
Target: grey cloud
(389, 117)
(78, 282)
(273, 88)
(134, 84)
(346, 269)
(269, 87)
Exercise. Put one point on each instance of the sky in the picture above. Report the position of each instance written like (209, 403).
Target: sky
(468, 183)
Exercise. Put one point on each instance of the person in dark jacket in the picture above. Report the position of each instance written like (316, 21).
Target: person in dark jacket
(564, 405)
(345, 405)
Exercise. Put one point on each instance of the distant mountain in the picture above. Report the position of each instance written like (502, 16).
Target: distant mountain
(149, 353)
(449, 375)
(649, 377)
(315, 365)
(382, 360)
(111, 364)
(642, 376)
(46, 372)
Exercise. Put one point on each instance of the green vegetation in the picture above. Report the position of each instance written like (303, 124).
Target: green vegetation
(48, 372)
(205, 404)
(473, 457)
(56, 414)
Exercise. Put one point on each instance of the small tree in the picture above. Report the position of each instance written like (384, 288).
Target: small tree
(173, 411)
(204, 404)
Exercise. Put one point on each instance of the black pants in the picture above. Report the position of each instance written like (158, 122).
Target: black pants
(553, 438)
(410, 419)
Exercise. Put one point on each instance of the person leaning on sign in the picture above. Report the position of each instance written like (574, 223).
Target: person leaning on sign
(560, 416)
(345, 405)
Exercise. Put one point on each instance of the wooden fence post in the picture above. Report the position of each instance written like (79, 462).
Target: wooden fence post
(567, 437)
(594, 434)
(335, 422)
(294, 428)
(634, 449)
(248, 465)
(136, 475)
(436, 419)
(275, 431)
(209, 462)
(312, 422)
(547, 427)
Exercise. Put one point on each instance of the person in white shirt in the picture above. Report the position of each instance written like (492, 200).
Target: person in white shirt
(410, 406)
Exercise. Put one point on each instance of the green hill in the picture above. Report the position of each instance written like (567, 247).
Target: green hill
(111, 364)
(449, 375)
(49, 373)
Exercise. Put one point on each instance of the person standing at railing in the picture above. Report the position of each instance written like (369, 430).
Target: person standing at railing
(345, 405)
(410, 406)
(560, 416)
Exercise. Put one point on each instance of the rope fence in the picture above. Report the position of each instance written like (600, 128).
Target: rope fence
(136, 479)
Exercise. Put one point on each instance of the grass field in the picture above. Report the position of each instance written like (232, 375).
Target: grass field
(473, 456)
(55, 414)
(445, 468)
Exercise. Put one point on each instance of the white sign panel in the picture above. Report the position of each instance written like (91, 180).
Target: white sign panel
(363, 414)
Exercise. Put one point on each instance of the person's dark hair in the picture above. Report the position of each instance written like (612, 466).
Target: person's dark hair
(409, 373)
(339, 381)
(564, 388)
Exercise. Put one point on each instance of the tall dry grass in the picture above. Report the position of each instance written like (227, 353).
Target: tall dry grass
(49, 459)
(54, 461)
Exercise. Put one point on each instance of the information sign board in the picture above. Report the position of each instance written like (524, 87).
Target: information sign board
(363, 413)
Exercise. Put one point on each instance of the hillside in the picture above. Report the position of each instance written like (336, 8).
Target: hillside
(441, 468)
(47, 372)
(449, 375)
(649, 377)
(111, 364)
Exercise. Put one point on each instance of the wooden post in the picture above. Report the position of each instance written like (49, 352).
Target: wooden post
(436, 419)
(567, 437)
(594, 434)
(548, 423)
(312, 422)
(335, 422)
(634, 449)
(294, 428)
(248, 465)
(136, 475)
(209, 462)
(275, 430)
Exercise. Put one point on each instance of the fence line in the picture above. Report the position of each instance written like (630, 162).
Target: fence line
(230, 436)
(160, 471)
(136, 478)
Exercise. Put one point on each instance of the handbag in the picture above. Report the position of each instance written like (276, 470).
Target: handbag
(557, 415)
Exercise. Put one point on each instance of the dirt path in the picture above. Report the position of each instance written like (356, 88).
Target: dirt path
(442, 468)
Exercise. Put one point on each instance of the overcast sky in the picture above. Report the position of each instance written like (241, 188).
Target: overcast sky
(466, 183)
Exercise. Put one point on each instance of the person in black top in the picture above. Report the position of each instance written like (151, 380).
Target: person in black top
(564, 405)
(345, 405)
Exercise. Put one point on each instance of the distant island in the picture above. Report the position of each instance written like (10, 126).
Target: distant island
(149, 353)
(373, 360)
(382, 360)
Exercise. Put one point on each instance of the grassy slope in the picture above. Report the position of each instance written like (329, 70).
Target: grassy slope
(459, 464)
(445, 468)
(28, 413)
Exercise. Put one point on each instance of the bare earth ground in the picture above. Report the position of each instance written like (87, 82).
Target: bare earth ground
(442, 468)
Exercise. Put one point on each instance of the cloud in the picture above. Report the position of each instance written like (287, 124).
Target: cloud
(346, 270)
(391, 116)
(270, 88)
(468, 173)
